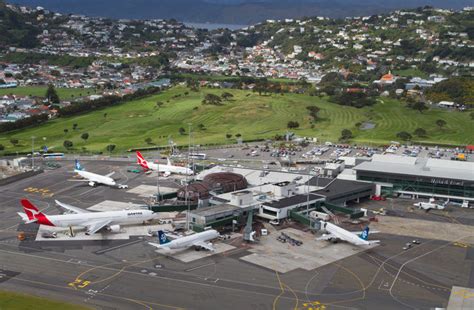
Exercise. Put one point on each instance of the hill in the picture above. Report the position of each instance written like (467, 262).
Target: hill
(16, 29)
(233, 11)
(247, 114)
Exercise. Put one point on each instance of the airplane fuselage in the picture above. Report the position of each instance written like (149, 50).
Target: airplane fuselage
(169, 168)
(96, 178)
(341, 233)
(83, 219)
(188, 241)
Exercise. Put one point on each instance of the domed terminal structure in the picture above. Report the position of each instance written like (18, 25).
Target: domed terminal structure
(225, 182)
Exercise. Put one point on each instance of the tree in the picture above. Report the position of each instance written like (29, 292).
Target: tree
(74, 126)
(182, 131)
(85, 136)
(212, 99)
(105, 115)
(404, 135)
(148, 140)
(2, 147)
(14, 141)
(201, 127)
(227, 96)
(51, 94)
(228, 136)
(346, 134)
(159, 104)
(440, 123)
(110, 148)
(313, 111)
(293, 124)
(67, 144)
(66, 131)
(420, 132)
(419, 106)
(238, 135)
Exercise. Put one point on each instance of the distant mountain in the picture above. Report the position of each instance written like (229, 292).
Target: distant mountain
(233, 11)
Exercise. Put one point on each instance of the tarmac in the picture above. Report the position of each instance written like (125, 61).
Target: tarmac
(130, 274)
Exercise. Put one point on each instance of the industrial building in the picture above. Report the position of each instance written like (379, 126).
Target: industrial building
(419, 177)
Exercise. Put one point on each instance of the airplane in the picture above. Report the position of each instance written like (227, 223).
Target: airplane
(199, 241)
(430, 205)
(335, 233)
(94, 178)
(167, 169)
(92, 221)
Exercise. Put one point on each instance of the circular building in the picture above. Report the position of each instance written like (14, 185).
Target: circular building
(225, 182)
(196, 191)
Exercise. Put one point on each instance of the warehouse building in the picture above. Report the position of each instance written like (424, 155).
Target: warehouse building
(419, 177)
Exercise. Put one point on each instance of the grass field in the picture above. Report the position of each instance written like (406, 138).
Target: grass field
(248, 114)
(40, 91)
(411, 72)
(15, 301)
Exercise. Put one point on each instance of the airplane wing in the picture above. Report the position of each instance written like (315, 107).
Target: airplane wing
(110, 174)
(205, 245)
(167, 174)
(325, 237)
(71, 208)
(95, 226)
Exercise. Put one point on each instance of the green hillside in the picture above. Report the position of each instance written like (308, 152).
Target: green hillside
(248, 114)
(40, 91)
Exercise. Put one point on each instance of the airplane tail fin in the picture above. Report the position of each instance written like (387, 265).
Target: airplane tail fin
(162, 237)
(142, 161)
(78, 166)
(365, 233)
(31, 211)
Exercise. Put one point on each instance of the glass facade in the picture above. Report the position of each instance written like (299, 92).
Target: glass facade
(424, 184)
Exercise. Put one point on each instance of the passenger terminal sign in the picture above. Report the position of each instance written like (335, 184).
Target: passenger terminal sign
(447, 182)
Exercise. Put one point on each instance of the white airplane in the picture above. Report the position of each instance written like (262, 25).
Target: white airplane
(334, 233)
(94, 178)
(198, 241)
(167, 169)
(430, 205)
(92, 221)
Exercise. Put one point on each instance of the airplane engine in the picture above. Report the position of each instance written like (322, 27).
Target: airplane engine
(114, 228)
(91, 183)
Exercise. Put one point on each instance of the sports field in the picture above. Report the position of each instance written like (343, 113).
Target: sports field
(15, 301)
(248, 114)
(40, 91)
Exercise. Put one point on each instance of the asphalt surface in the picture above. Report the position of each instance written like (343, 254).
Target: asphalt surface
(130, 275)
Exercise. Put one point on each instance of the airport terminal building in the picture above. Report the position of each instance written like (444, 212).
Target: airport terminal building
(420, 177)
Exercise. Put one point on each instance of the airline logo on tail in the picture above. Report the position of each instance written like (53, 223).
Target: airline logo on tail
(34, 215)
(141, 161)
(162, 237)
(78, 166)
(365, 234)
(30, 210)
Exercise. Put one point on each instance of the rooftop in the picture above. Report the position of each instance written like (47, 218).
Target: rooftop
(437, 168)
(209, 211)
(291, 201)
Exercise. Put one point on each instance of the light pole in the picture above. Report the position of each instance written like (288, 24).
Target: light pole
(187, 164)
(33, 152)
